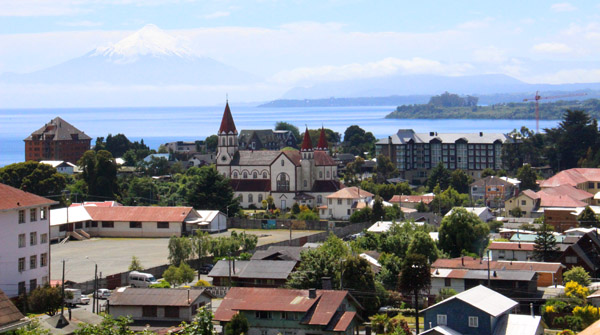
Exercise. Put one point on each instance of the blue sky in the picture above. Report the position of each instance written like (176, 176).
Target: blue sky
(300, 42)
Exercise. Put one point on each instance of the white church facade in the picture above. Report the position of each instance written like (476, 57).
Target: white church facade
(307, 176)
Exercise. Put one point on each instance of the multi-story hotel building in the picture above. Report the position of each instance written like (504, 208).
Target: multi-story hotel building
(414, 154)
(57, 140)
(24, 242)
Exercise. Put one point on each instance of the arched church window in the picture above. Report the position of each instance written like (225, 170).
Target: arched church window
(250, 198)
(320, 174)
(283, 182)
(235, 175)
(260, 198)
(245, 174)
(264, 175)
(254, 175)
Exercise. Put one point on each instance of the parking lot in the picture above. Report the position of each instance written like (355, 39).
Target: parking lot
(113, 255)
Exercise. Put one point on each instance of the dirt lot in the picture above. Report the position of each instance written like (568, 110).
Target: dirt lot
(113, 255)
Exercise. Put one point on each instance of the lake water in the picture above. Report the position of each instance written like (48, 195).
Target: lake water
(158, 125)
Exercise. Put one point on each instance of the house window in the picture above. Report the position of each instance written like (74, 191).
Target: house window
(327, 174)
(245, 175)
(135, 224)
(282, 162)
(571, 259)
(305, 183)
(264, 332)
(43, 213)
(254, 175)
(320, 174)
(22, 216)
(235, 175)
(33, 214)
(33, 238)
(319, 199)
(108, 224)
(264, 175)
(523, 202)
(94, 224)
(447, 282)
(21, 264)
(501, 254)
(21, 240)
(260, 198)
(442, 320)
(263, 315)
(62, 227)
(250, 198)
(149, 311)
(32, 284)
(339, 201)
(44, 238)
(33, 262)
(43, 260)
(162, 225)
(78, 225)
(473, 321)
(590, 185)
(21, 287)
(171, 312)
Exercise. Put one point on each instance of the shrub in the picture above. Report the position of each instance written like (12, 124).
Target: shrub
(579, 275)
(202, 283)
(161, 284)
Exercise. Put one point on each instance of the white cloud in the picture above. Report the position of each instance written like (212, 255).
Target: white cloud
(476, 24)
(563, 7)
(567, 76)
(553, 48)
(384, 67)
(217, 15)
(490, 54)
(66, 7)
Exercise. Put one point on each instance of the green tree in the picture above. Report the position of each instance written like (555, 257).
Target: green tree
(178, 275)
(545, 248)
(380, 323)
(390, 269)
(201, 325)
(33, 177)
(135, 265)
(238, 325)
(462, 231)
(117, 145)
(207, 189)
(378, 212)
(423, 244)
(422, 208)
(358, 277)
(487, 172)
(308, 215)
(99, 171)
(587, 218)
(439, 175)
(45, 299)
(446, 200)
(357, 141)
(516, 212)
(142, 191)
(445, 293)
(460, 181)
(393, 213)
(353, 174)
(385, 169)
(523, 147)
(295, 208)
(578, 275)
(361, 215)
(281, 125)
(528, 178)
(180, 250)
(415, 279)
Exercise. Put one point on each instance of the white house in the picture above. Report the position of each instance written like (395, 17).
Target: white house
(62, 166)
(484, 213)
(341, 204)
(212, 221)
(511, 251)
(24, 242)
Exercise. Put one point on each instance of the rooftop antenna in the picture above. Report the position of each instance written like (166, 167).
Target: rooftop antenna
(227, 97)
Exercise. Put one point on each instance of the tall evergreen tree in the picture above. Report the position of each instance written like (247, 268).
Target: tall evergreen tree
(439, 175)
(415, 279)
(588, 218)
(545, 248)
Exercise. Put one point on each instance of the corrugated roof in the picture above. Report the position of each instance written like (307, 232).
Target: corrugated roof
(572, 177)
(327, 305)
(155, 297)
(566, 190)
(141, 213)
(511, 246)
(531, 194)
(279, 253)
(518, 324)
(491, 181)
(249, 157)
(478, 264)
(255, 268)
(13, 198)
(326, 186)
(350, 193)
(426, 199)
(344, 322)
(443, 330)
(76, 214)
(484, 299)
(60, 130)
(9, 313)
(483, 274)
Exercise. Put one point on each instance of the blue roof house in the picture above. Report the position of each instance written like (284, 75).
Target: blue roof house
(479, 311)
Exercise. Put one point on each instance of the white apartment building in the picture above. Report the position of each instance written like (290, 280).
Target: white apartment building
(24, 242)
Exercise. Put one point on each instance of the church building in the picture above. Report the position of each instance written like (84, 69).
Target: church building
(307, 176)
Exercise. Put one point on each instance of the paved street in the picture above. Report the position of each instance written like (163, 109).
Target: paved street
(113, 255)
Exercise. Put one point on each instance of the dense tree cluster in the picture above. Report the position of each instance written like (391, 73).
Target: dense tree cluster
(34, 177)
(357, 141)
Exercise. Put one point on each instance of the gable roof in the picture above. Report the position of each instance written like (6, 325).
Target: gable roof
(479, 264)
(531, 194)
(279, 253)
(404, 136)
(13, 198)
(139, 213)
(254, 268)
(130, 296)
(498, 275)
(572, 177)
(426, 199)
(249, 157)
(511, 246)
(518, 324)
(60, 130)
(9, 313)
(482, 298)
(227, 124)
(320, 310)
(322, 158)
(491, 181)
(350, 193)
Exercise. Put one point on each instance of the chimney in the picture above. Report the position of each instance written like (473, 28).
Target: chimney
(495, 274)
(519, 244)
(326, 283)
(531, 309)
(462, 260)
(431, 133)
(312, 293)
(480, 134)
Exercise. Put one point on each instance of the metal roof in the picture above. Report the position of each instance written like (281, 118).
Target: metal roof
(484, 299)
(155, 297)
(403, 136)
(255, 268)
(13, 198)
(518, 324)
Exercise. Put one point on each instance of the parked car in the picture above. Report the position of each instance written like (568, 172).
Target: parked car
(76, 297)
(103, 293)
(140, 279)
(205, 268)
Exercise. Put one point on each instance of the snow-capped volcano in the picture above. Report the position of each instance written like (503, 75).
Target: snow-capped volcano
(149, 40)
(149, 56)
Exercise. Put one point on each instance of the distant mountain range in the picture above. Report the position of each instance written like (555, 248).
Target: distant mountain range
(407, 85)
(148, 57)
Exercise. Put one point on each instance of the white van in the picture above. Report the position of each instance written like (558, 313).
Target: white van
(77, 297)
(139, 279)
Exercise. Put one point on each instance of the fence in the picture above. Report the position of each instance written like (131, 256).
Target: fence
(120, 279)
(241, 223)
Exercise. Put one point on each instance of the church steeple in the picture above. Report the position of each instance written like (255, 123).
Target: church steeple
(228, 141)
(307, 147)
(322, 145)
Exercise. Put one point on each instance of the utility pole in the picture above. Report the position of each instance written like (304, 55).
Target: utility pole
(62, 305)
(489, 279)
(95, 296)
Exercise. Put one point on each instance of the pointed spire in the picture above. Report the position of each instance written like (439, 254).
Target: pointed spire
(322, 145)
(227, 124)
(306, 143)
